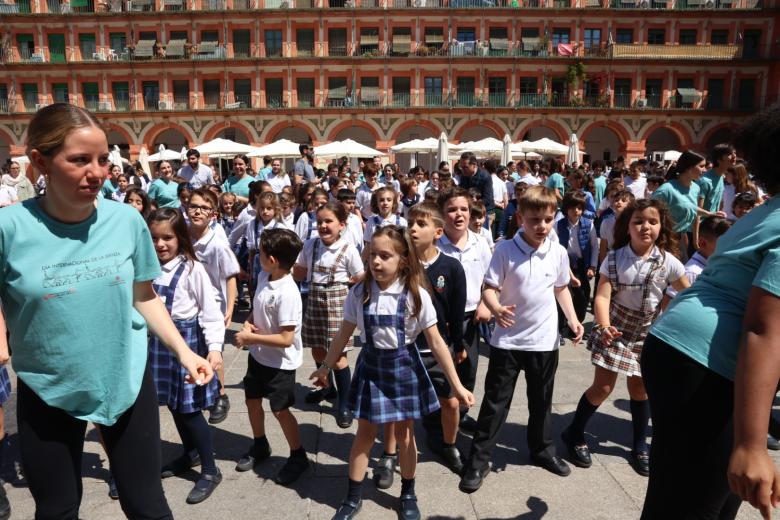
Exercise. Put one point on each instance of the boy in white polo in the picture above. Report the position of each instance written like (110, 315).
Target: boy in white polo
(535, 273)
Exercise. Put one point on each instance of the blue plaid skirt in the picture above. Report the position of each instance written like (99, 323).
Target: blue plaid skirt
(169, 375)
(391, 385)
(5, 385)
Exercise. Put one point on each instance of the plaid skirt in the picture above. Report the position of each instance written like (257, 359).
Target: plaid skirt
(5, 385)
(324, 314)
(169, 375)
(391, 385)
(623, 354)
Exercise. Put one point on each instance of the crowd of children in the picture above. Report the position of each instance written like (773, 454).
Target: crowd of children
(412, 263)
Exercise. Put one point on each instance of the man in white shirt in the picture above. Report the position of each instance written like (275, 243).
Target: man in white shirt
(635, 182)
(196, 173)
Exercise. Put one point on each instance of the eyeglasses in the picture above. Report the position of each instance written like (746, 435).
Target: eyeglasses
(202, 209)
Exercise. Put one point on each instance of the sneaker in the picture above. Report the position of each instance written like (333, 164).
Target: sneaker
(219, 411)
(181, 465)
(385, 471)
(252, 458)
(292, 469)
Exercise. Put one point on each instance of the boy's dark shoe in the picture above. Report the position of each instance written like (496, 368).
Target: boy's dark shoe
(385, 471)
(472, 479)
(219, 411)
(295, 466)
(252, 458)
(179, 466)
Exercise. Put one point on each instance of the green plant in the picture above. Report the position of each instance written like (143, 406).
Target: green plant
(575, 73)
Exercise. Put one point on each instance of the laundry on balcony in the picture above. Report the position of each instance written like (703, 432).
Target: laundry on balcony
(141, 5)
(209, 50)
(531, 44)
(175, 49)
(499, 44)
(402, 44)
(688, 96)
(565, 49)
(592, 3)
(144, 49)
(464, 48)
(369, 95)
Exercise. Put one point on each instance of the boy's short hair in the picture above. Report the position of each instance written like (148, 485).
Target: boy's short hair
(538, 198)
(406, 185)
(623, 194)
(286, 199)
(713, 227)
(478, 209)
(282, 244)
(431, 196)
(427, 210)
(520, 188)
(573, 199)
(453, 193)
(207, 195)
(345, 194)
(744, 199)
(655, 179)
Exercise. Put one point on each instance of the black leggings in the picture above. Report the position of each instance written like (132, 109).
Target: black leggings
(52, 444)
(692, 411)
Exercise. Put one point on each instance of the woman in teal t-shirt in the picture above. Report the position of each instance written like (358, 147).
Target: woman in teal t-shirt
(711, 364)
(67, 259)
(239, 182)
(164, 190)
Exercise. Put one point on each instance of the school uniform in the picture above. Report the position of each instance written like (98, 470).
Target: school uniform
(253, 233)
(582, 246)
(407, 203)
(306, 229)
(288, 221)
(329, 268)
(271, 370)
(278, 182)
(376, 222)
(390, 382)
(638, 285)
(189, 297)
(363, 198)
(353, 232)
(214, 253)
(693, 268)
(475, 259)
(488, 236)
(531, 344)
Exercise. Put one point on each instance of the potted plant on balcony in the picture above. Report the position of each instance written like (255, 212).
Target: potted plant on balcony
(423, 50)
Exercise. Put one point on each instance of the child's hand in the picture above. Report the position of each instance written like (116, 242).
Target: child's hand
(4, 355)
(320, 377)
(505, 316)
(228, 318)
(575, 282)
(464, 397)
(578, 331)
(608, 334)
(243, 338)
(199, 371)
(460, 357)
(215, 358)
(591, 272)
(482, 314)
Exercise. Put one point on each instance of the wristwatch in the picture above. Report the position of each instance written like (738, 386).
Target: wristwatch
(324, 364)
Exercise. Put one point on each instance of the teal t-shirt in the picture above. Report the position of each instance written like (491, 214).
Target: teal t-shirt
(108, 189)
(67, 293)
(711, 190)
(555, 181)
(239, 186)
(705, 321)
(683, 203)
(165, 193)
(599, 187)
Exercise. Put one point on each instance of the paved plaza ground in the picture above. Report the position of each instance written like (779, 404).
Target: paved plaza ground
(513, 490)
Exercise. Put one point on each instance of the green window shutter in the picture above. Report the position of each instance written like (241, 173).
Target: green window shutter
(79, 3)
(90, 89)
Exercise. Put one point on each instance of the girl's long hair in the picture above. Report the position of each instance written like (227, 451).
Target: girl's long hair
(175, 219)
(667, 239)
(741, 179)
(410, 271)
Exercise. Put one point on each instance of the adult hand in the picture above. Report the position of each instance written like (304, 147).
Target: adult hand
(199, 370)
(215, 358)
(754, 477)
(460, 357)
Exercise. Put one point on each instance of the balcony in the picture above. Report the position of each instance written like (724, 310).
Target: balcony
(173, 5)
(306, 99)
(122, 103)
(532, 100)
(29, 55)
(273, 52)
(242, 50)
(639, 51)
(212, 100)
(433, 99)
(369, 51)
(31, 103)
(92, 102)
(57, 54)
(242, 100)
(275, 100)
(465, 99)
(370, 97)
(4, 106)
(496, 99)
(621, 101)
(338, 50)
(401, 99)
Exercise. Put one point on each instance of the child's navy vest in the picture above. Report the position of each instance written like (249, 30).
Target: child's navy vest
(583, 237)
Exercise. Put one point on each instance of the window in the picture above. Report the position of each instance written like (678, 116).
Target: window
(434, 38)
(91, 94)
(433, 90)
(178, 35)
(242, 91)
(3, 98)
(715, 93)
(750, 43)
(304, 39)
(87, 46)
(337, 92)
(624, 36)
(402, 41)
(747, 94)
(686, 95)
(209, 36)
(274, 92)
(30, 96)
(369, 40)
(592, 41)
(653, 92)
(531, 44)
(56, 48)
(305, 91)
(528, 85)
(401, 91)
(241, 43)
(273, 43)
(656, 36)
(211, 93)
(466, 34)
(561, 35)
(121, 92)
(26, 45)
(497, 91)
(687, 36)
(369, 91)
(499, 41)
(147, 35)
(151, 93)
(181, 94)
(337, 42)
(117, 42)
(622, 93)
(465, 88)
(60, 93)
(719, 37)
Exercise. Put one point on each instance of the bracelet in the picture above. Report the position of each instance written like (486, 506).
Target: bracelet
(325, 365)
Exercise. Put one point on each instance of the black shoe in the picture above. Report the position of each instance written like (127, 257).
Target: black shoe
(344, 418)
(385, 471)
(561, 341)
(640, 461)
(181, 465)
(452, 459)
(579, 454)
(204, 487)
(409, 509)
(292, 470)
(467, 423)
(472, 479)
(348, 510)
(553, 464)
(252, 458)
(5, 505)
(113, 491)
(772, 443)
(321, 394)
(219, 411)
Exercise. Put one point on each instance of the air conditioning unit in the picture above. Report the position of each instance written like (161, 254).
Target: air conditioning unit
(39, 106)
(104, 105)
(163, 106)
(641, 103)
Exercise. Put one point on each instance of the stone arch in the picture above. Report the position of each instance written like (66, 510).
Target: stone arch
(363, 132)
(539, 128)
(172, 138)
(722, 133)
(471, 128)
(661, 139)
(118, 138)
(682, 134)
(395, 132)
(415, 131)
(291, 130)
(151, 137)
(242, 133)
(604, 141)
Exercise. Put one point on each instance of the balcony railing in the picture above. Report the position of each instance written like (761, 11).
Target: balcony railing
(122, 104)
(30, 103)
(305, 99)
(465, 99)
(369, 51)
(532, 100)
(181, 102)
(275, 100)
(433, 99)
(635, 51)
(402, 99)
(242, 50)
(243, 100)
(496, 99)
(273, 52)
(92, 102)
(338, 50)
(4, 106)
(621, 101)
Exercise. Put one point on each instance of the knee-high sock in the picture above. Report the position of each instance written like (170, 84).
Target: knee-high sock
(184, 432)
(343, 377)
(640, 418)
(200, 433)
(585, 411)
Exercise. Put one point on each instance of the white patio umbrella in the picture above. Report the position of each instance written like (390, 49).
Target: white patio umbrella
(183, 154)
(143, 158)
(442, 151)
(281, 149)
(345, 148)
(163, 154)
(224, 147)
(486, 146)
(22, 159)
(428, 145)
(506, 150)
(671, 155)
(573, 155)
(546, 146)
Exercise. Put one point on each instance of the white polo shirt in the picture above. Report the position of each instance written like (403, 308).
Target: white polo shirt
(529, 278)
(277, 304)
(350, 265)
(215, 254)
(363, 198)
(278, 182)
(375, 222)
(693, 268)
(203, 176)
(475, 259)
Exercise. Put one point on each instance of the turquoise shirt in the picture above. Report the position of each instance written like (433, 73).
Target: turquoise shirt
(164, 193)
(705, 321)
(263, 174)
(600, 186)
(67, 293)
(683, 203)
(239, 186)
(555, 181)
(711, 190)
(108, 189)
